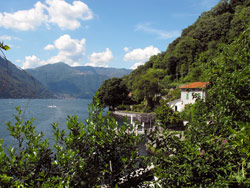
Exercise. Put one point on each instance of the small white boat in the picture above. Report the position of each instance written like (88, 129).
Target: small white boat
(52, 106)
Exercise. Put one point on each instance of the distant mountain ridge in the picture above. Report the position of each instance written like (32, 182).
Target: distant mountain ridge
(19, 84)
(76, 82)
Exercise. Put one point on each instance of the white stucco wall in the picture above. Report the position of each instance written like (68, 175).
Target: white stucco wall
(191, 99)
(175, 104)
(180, 103)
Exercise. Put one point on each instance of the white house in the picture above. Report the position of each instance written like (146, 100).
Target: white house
(176, 104)
(187, 95)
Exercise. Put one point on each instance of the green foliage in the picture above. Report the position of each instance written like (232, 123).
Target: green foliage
(99, 152)
(138, 107)
(240, 21)
(192, 112)
(147, 86)
(215, 151)
(113, 92)
(90, 154)
(4, 47)
(123, 107)
(172, 94)
(166, 116)
(229, 77)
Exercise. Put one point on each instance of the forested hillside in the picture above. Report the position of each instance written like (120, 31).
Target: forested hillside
(186, 58)
(15, 83)
(77, 82)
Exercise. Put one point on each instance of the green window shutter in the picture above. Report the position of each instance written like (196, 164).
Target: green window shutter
(187, 96)
(199, 95)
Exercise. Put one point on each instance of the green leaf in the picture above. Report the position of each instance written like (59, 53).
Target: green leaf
(4, 47)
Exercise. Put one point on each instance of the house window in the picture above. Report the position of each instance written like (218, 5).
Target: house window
(199, 95)
(187, 96)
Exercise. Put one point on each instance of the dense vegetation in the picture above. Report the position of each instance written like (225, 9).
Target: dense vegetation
(215, 152)
(186, 58)
(116, 88)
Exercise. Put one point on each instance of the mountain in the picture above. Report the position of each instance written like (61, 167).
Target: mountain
(77, 82)
(15, 83)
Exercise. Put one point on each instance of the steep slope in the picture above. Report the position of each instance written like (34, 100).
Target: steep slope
(185, 59)
(19, 84)
(77, 82)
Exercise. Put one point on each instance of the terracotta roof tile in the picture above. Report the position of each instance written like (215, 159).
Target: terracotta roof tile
(195, 85)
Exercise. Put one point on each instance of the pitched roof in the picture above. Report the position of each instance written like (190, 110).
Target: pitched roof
(195, 85)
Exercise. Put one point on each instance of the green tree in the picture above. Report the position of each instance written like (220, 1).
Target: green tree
(113, 92)
(148, 86)
(166, 116)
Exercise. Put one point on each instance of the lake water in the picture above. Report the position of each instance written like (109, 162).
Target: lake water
(43, 114)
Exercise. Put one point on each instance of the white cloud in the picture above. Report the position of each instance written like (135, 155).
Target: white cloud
(136, 65)
(19, 61)
(66, 16)
(7, 37)
(140, 56)
(70, 51)
(160, 33)
(24, 19)
(32, 61)
(49, 47)
(58, 12)
(100, 59)
(126, 49)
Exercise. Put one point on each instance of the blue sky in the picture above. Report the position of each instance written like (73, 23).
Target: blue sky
(106, 33)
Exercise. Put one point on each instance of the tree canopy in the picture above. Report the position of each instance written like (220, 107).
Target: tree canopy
(113, 92)
(147, 86)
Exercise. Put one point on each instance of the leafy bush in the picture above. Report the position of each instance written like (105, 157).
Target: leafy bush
(88, 154)
(166, 116)
(123, 107)
(138, 107)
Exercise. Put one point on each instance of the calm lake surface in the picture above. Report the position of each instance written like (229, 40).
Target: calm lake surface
(44, 115)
